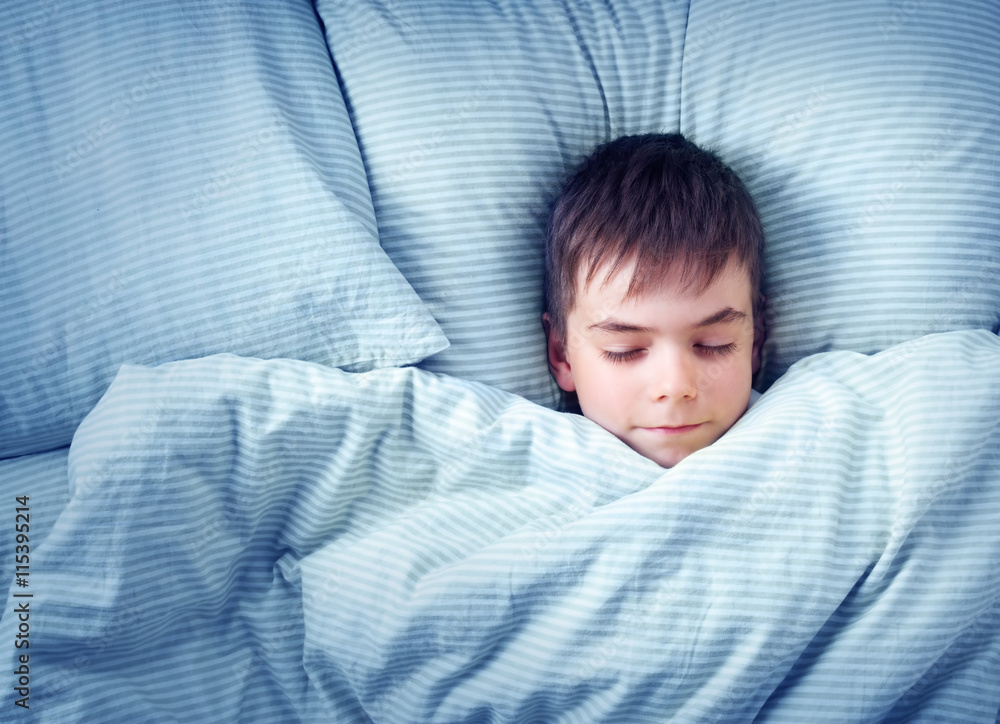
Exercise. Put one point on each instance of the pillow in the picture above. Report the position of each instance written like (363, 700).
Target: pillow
(180, 180)
(469, 116)
(868, 134)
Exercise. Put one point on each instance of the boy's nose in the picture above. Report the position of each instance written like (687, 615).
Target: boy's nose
(676, 377)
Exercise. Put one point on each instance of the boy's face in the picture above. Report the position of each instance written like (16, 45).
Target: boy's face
(669, 371)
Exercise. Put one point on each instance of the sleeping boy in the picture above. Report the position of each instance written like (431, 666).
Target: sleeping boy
(653, 308)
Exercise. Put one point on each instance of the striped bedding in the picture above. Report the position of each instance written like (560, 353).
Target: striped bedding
(251, 540)
(284, 204)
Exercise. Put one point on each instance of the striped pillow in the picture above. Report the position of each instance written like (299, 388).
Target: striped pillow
(468, 116)
(179, 180)
(868, 133)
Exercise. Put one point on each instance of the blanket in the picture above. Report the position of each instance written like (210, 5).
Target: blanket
(260, 541)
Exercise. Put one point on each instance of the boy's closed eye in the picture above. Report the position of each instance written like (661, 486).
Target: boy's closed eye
(622, 357)
(631, 355)
(717, 350)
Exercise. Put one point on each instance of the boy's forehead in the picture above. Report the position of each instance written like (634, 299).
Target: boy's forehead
(629, 283)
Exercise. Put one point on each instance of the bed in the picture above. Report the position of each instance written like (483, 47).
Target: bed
(278, 441)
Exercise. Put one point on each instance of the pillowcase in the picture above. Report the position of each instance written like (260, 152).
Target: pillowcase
(868, 134)
(180, 180)
(469, 117)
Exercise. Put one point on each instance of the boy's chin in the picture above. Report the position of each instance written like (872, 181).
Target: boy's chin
(668, 460)
(668, 454)
(664, 457)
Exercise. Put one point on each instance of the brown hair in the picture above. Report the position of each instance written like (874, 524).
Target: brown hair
(657, 199)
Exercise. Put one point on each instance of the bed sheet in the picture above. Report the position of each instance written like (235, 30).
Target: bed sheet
(252, 540)
(42, 478)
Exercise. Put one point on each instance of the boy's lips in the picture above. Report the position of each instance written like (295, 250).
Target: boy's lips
(673, 429)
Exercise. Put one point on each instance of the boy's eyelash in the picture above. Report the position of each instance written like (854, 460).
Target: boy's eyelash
(618, 357)
(720, 350)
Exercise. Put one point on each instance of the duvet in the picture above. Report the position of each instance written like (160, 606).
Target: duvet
(250, 540)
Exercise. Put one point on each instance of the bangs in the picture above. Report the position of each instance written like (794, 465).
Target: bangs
(690, 273)
(672, 227)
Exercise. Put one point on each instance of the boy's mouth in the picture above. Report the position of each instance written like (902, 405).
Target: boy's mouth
(673, 429)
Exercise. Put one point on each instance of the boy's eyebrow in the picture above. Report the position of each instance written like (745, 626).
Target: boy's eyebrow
(727, 315)
(613, 325)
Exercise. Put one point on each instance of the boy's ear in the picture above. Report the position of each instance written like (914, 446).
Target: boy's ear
(558, 364)
(759, 335)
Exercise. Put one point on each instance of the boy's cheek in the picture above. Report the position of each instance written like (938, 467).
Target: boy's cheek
(727, 370)
(714, 371)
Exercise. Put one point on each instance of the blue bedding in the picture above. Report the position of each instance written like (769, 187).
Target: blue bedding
(261, 541)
